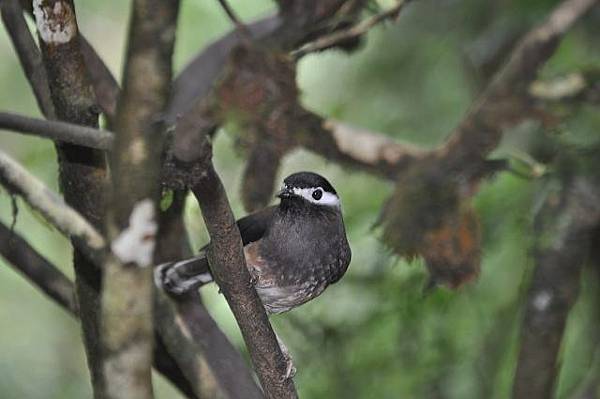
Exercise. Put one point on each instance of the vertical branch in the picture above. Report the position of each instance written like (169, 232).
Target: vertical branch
(128, 285)
(563, 229)
(82, 170)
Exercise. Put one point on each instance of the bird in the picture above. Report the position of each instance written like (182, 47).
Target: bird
(294, 250)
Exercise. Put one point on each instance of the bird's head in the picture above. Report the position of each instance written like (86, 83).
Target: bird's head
(308, 188)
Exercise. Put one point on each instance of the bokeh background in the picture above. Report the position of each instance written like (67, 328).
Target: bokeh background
(373, 335)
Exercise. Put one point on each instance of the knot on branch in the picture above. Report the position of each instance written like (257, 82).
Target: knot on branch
(179, 174)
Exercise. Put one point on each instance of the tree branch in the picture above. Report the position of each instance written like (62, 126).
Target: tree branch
(354, 32)
(505, 101)
(52, 207)
(105, 85)
(563, 230)
(234, 18)
(82, 176)
(127, 296)
(28, 53)
(186, 328)
(189, 323)
(58, 131)
(44, 275)
(228, 267)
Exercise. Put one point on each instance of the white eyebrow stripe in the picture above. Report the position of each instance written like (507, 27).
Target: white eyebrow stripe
(328, 199)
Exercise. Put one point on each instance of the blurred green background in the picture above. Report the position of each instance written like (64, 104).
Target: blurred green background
(373, 335)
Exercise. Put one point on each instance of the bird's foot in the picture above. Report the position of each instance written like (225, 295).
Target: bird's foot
(167, 277)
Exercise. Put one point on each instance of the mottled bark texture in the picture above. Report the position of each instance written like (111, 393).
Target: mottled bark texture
(186, 329)
(193, 167)
(563, 230)
(82, 170)
(228, 267)
(127, 297)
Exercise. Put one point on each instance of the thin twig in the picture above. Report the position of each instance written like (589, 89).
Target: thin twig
(58, 131)
(355, 31)
(234, 18)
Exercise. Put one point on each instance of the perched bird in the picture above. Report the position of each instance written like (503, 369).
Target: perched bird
(293, 250)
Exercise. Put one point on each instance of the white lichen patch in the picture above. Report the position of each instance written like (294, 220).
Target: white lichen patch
(55, 23)
(542, 300)
(136, 243)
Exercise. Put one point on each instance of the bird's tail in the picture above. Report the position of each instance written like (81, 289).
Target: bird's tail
(183, 276)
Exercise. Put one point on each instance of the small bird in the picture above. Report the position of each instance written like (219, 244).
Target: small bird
(293, 250)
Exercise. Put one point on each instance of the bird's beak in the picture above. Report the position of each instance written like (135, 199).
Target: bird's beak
(285, 192)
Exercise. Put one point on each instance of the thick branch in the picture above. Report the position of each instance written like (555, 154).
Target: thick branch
(82, 175)
(127, 297)
(37, 269)
(57, 130)
(563, 228)
(228, 267)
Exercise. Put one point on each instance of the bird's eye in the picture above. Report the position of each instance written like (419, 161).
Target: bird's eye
(317, 194)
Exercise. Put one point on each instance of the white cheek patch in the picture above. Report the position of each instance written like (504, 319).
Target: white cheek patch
(328, 199)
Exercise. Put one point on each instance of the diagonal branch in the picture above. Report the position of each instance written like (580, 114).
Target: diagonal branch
(105, 85)
(505, 101)
(28, 53)
(43, 274)
(354, 32)
(52, 207)
(227, 262)
(192, 336)
(234, 18)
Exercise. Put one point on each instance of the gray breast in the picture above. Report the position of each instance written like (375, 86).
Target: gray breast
(300, 258)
